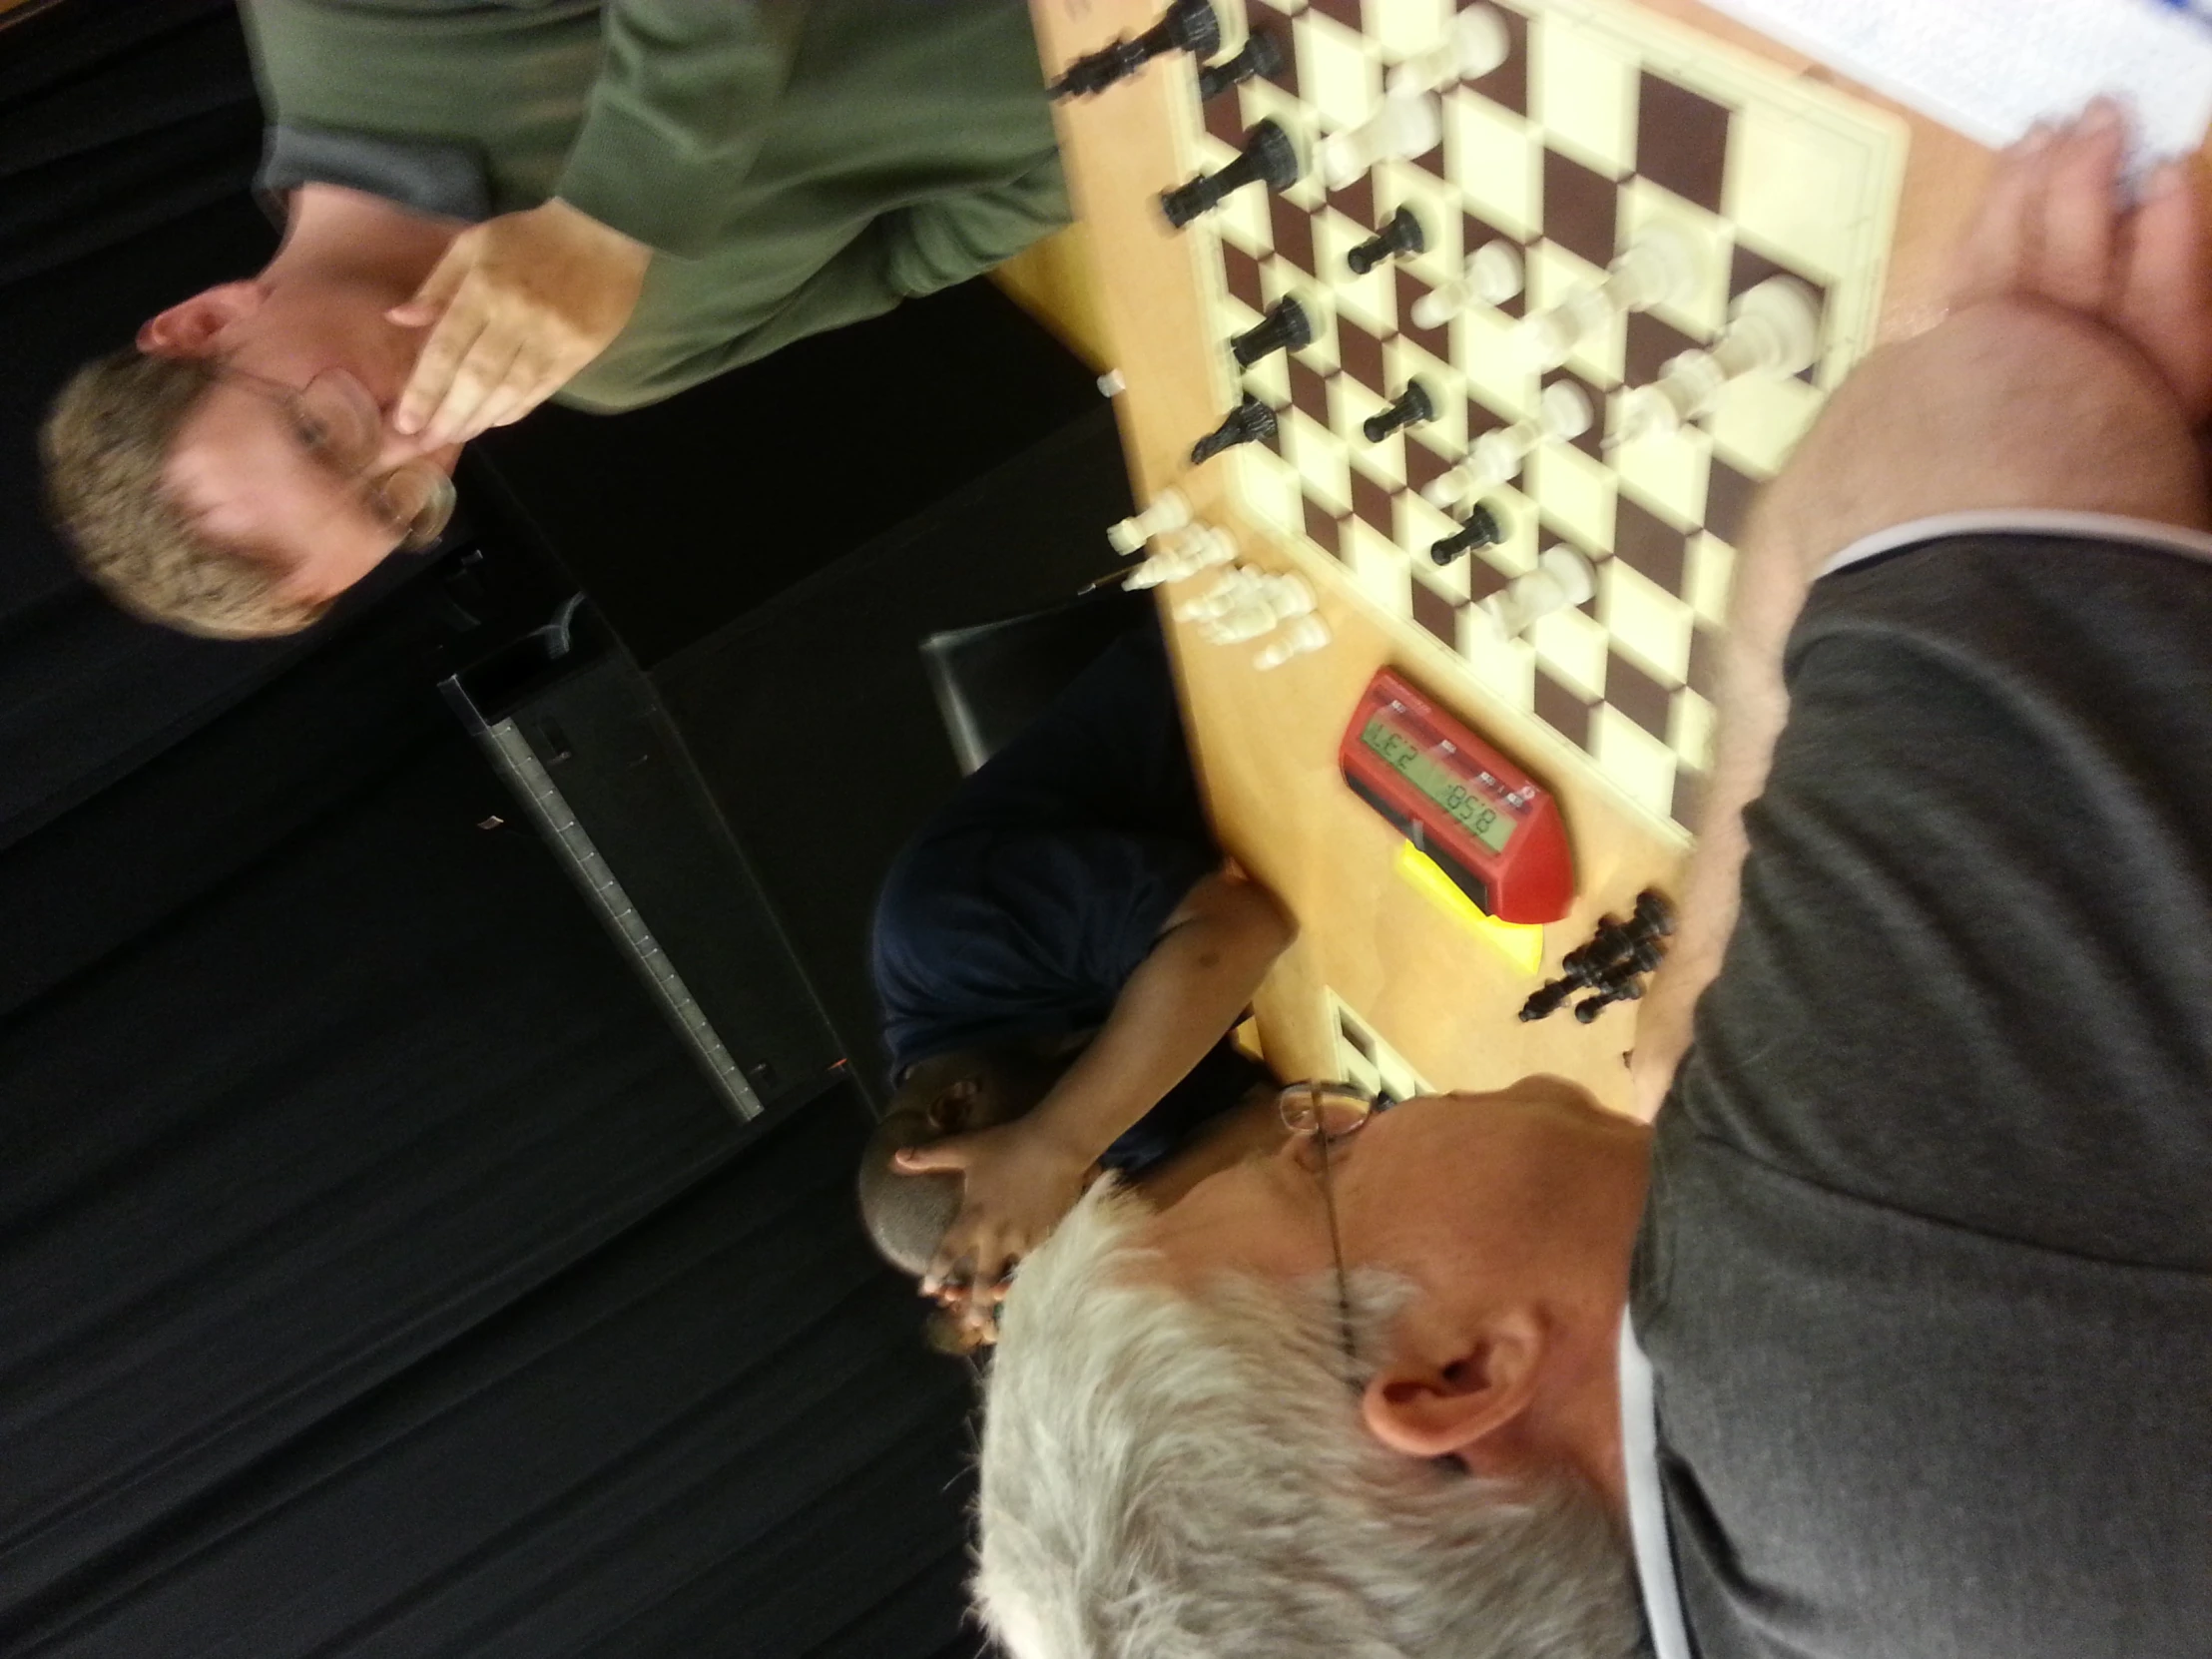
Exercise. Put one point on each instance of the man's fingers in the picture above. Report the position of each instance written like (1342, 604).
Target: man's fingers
(482, 373)
(529, 383)
(444, 352)
(438, 289)
(2164, 302)
(2073, 264)
(1995, 256)
(925, 1159)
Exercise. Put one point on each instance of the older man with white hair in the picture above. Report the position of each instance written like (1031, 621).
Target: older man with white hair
(1893, 1338)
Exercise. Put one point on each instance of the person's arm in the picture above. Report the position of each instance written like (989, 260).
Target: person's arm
(1924, 428)
(1022, 1177)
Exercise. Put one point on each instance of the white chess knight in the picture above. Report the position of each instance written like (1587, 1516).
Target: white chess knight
(1562, 578)
(1562, 413)
(1182, 554)
(1490, 277)
(1659, 265)
(1264, 604)
(1409, 124)
(1474, 44)
(1774, 329)
(1169, 511)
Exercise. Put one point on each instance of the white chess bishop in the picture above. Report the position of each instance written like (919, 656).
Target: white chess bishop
(1490, 277)
(1562, 413)
(1774, 329)
(1407, 123)
(1659, 267)
(1474, 44)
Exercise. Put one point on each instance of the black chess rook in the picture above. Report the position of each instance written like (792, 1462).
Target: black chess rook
(1261, 54)
(1402, 234)
(1414, 405)
(1480, 528)
(1284, 327)
(1269, 158)
(1187, 26)
(1251, 421)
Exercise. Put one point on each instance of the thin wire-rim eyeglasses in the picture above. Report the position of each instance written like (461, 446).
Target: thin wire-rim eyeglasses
(1331, 1112)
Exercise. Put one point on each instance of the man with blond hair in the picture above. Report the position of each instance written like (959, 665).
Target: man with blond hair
(488, 205)
(1893, 1338)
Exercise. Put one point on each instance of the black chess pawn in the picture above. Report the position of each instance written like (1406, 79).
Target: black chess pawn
(1284, 327)
(1547, 999)
(1480, 528)
(1624, 990)
(1268, 158)
(1262, 55)
(1251, 421)
(1402, 234)
(1414, 406)
(1187, 26)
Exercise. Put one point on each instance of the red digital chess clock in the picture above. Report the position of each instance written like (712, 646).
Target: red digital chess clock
(1488, 826)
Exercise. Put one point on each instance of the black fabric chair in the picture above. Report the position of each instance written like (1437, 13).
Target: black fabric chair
(994, 679)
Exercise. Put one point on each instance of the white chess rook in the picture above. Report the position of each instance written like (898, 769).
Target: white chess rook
(1774, 329)
(1294, 639)
(1658, 266)
(1564, 413)
(1490, 277)
(1562, 578)
(1169, 511)
(1267, 604)
(1404, 126)
(1476, 44)
(1183, 554)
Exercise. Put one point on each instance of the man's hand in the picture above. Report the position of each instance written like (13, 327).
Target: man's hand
(2052, 228)
(521, 304)
(1020, 1179)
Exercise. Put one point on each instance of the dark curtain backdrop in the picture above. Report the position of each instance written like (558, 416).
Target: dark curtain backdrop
(377, 1276)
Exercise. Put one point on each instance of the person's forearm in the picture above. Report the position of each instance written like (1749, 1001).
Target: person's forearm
(1181, 1000)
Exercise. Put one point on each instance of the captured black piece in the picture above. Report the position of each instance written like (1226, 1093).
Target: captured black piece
(1187, 26)
(1480, 528)
(1251, 421)
(1618, 954)
(1261, 54)
(1414, 406)
(1402, 234)
(1284, 327)
(1268, 158)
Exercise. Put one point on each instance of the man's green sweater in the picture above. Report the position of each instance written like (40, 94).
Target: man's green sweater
(796, 165)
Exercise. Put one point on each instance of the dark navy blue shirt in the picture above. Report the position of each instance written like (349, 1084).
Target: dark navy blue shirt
(1022, 908)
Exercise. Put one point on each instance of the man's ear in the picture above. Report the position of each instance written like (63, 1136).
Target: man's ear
(188, 328)
(1466, 1406)
(953, 1106)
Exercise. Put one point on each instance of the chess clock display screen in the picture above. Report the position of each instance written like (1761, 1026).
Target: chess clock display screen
(1425, 772)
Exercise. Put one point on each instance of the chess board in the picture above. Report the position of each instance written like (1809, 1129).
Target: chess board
(1603, 120)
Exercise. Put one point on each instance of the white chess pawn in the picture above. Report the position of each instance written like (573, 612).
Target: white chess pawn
(1169, 511)
(1658, 266)
(1294, 639)
(1564, 413)
(1491, 275)
(1411, 124)
(1235, 584)
(1774, 329)
(1476, 44)
(1268, 602)
(1183, 554)
(1562, 578)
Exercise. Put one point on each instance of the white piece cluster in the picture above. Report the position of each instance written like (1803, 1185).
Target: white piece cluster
(1248, 604)
(1658, 266)
(1562, 413)
(1774, 329)
(1182, 554)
